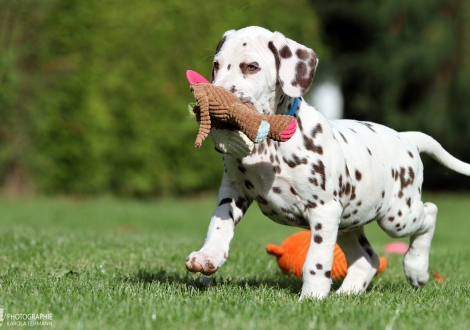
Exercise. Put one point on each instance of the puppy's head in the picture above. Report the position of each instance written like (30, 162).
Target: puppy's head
(260, 66)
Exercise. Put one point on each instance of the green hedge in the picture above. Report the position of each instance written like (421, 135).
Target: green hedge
(94, 97)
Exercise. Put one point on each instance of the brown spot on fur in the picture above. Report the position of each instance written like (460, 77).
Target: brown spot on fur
(277, 190)
(347, 189)
(328, 274)
(320, 169)
(408, 202)
(277, 58)
(358, 175)
(318, 239)
(363, 241)
(219, 45)
(261, 200)
(313, 181)
(317, 130)
(318, 226)
(241, 204)
(369, 125)
(304, 73)
(405, 182)
(296, 161)
(319, 266)
(310, 145)
(285, 52)
(311, 205)
(347, 170)
(302, 54)
(225, 201)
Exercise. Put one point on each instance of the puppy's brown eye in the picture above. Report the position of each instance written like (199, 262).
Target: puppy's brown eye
(250, 68)
(216, 65)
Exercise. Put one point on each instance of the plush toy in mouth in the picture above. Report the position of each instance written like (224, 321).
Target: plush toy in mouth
(221, 109)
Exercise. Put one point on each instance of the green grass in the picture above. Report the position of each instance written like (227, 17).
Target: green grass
(119, 264)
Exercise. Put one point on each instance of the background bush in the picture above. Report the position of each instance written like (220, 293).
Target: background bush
(405, 64)
(93, 95)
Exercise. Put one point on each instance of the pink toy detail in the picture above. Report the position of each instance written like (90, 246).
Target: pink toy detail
(396, 247)
(195, 78)
(289, 131)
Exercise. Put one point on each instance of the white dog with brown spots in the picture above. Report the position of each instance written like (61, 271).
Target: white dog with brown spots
(332, 177)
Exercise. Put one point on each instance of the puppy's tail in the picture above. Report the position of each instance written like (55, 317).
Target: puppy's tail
(429, 146)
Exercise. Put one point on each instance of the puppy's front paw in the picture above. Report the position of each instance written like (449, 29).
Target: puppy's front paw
(316, 291)
(200, 262)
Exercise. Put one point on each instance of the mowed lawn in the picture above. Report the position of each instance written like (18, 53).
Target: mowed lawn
(119, 264)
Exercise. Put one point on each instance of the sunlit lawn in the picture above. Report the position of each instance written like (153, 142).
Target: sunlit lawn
(119, 264)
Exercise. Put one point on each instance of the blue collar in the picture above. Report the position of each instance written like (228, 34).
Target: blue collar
(294, 107)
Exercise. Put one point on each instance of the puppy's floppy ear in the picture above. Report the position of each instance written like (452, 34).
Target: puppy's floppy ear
(295, 64)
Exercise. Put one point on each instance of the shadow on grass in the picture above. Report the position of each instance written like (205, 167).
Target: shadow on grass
(201, 283)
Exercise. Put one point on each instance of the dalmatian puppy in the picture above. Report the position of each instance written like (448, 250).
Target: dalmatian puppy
(331, 177)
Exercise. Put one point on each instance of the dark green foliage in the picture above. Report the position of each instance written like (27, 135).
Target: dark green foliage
(405, 64)
(93, 95)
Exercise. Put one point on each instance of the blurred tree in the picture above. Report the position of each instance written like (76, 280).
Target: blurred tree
(93, 95)
(405, 64)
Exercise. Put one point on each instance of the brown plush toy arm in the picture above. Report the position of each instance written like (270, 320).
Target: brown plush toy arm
(204, 115)
(249, 120)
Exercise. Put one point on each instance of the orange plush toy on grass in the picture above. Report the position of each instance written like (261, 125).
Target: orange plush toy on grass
(292, 252)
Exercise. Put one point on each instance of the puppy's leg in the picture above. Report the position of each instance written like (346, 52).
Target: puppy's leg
(416, 261)
(230, 209)
(363, 262)
(419, 226)
(317, 267)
